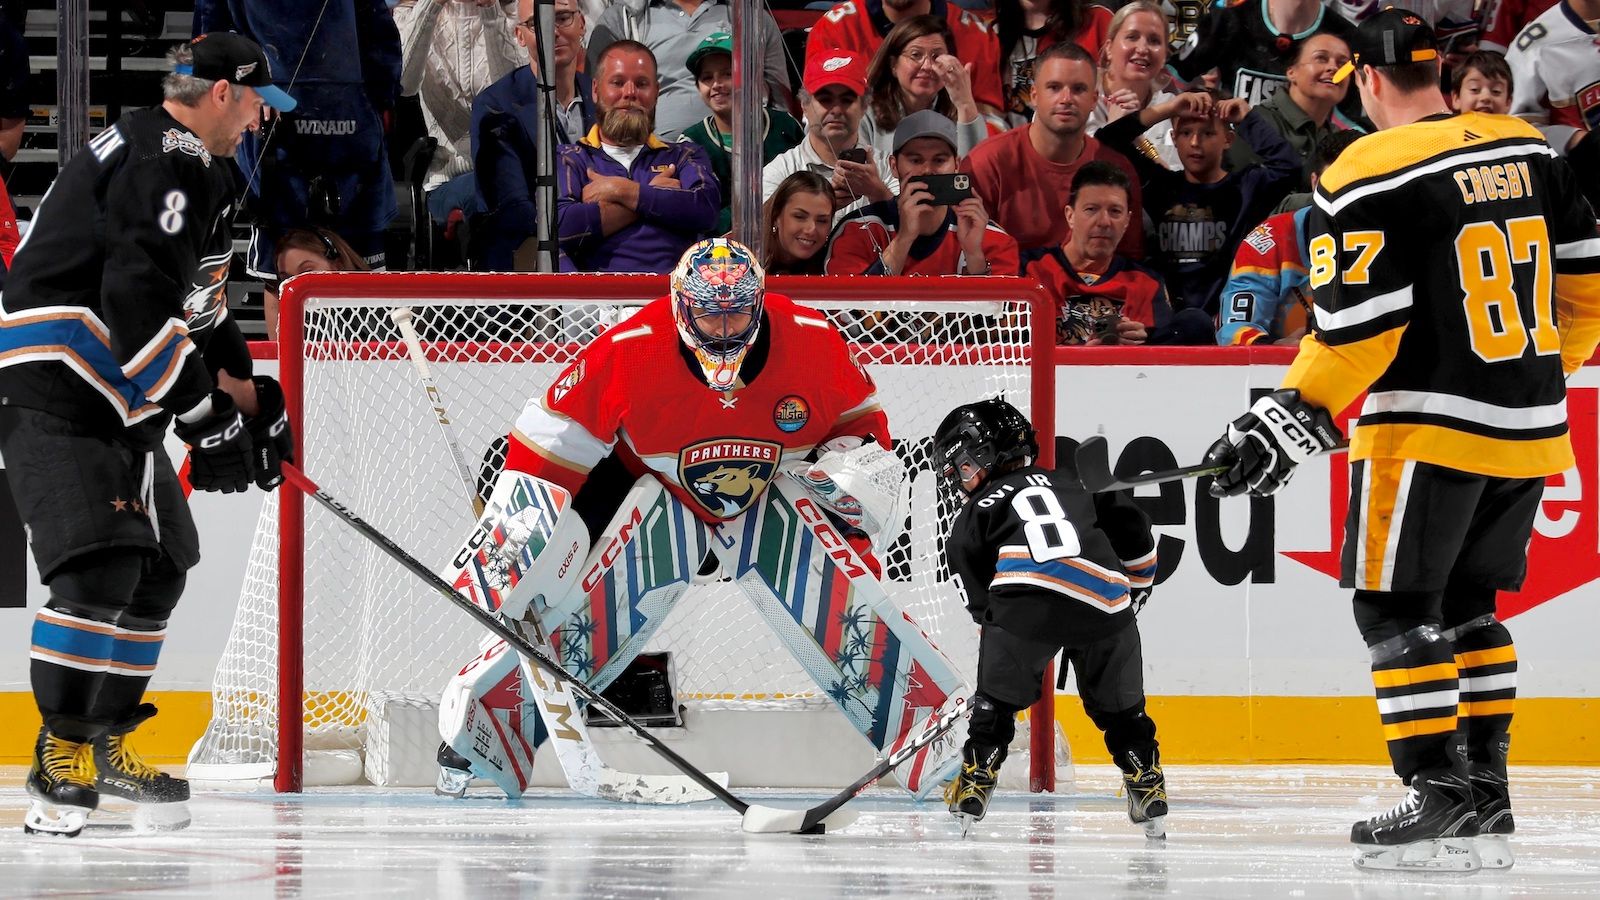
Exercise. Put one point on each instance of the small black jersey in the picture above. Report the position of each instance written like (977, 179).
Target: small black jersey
(1037, 555)
(117, 298)
(1250, 55)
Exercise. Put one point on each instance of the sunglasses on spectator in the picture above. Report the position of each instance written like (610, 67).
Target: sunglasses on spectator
(564, 19)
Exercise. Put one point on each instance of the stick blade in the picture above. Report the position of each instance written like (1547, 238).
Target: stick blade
(771, 820)
(1093, 460)
(627, 787)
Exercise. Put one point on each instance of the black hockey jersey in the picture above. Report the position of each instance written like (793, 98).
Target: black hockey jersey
(1456, 271)
(1250, 55)
(1038, 556)
(117, 298)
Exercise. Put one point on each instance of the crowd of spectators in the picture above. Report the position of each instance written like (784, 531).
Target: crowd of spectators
(1149, 163)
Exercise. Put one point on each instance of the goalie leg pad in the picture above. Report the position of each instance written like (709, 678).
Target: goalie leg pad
(484, 717)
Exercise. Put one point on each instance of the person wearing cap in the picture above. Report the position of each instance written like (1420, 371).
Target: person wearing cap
(327, 163)
(114, 323)
(673, 29)
(834, 98)
(915, 234)
(626, 201)
(1456, 279)
(711, 64)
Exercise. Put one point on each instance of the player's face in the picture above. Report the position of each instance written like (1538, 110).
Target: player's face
(238, 110)
(1201, 143)
(923, 156)
(803, 225)
(721, 326)
(1064, 94)
(715, 82)
(1311, 74)
(1138, 51)
(626, 90)
(916, 68)
(1480, 93)
(834, 114)
(1098, 217)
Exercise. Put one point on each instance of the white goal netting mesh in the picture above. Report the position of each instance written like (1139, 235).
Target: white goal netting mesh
(371, 439)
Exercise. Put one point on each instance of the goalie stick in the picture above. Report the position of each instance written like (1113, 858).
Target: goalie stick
(756, 819)
(585, 771)
(1093, 459)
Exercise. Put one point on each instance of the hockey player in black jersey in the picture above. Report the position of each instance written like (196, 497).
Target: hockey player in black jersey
(1046, 568)
(113, 323)
(1460, 331)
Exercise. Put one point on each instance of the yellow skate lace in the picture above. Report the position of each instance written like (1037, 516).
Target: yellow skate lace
(953, 790)
(123, 758)
(67, 761)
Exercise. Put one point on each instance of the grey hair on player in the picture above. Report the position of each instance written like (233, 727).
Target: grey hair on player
(186, 90)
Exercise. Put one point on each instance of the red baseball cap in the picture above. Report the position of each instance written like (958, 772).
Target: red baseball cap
(846, 68)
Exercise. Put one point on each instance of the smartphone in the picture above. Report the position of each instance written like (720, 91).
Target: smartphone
(854, 154)
(947, 190)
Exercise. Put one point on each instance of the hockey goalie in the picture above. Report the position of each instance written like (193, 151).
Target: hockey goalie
(720, 429)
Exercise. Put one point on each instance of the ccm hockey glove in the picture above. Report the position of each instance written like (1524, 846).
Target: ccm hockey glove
(271, 438)
(219, 447)
(1262, 447)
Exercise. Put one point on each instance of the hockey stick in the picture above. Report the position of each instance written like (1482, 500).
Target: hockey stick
(802, 821)
(1093, 459)
(756, 819)
(585, 771)
(403, 317)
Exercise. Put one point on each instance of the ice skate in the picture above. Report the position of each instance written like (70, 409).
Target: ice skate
(968, 793)
(61, 783)
(1434, 829)
(162, 800)
(455, 773)
(1146, 787)
(1491, 796)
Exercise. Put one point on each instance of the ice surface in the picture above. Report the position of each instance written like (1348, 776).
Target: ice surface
(1234, 832)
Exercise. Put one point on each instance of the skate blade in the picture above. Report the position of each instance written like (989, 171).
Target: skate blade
(452, 783)
(1494, 851)
(155, 817)
(1450, 856)
(56, 821)
(965, 820)
(1155, 828)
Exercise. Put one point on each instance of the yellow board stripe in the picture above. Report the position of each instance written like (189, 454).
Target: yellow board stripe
(1399, 731)
(1490, 657)
(1388, 678)
(1486, 708)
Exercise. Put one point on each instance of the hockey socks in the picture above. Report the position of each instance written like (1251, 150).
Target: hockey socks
(70, 656)
(1415, 678)
(1486, 660)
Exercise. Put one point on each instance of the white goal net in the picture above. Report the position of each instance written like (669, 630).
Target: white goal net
(372, 646)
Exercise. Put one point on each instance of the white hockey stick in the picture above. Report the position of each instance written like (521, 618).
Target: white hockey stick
(585, 771)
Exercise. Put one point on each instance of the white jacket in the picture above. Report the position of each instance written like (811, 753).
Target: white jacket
(449, 52)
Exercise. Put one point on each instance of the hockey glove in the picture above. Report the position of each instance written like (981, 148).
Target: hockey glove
(219, 447)
(272, 440)
(1262, 447)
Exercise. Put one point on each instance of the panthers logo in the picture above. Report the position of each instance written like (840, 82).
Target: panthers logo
(728, 475)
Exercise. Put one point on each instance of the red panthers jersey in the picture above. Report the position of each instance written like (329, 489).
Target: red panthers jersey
(635, 390)
(860, 25)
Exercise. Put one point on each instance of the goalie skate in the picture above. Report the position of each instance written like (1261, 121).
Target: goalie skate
(1434, 829)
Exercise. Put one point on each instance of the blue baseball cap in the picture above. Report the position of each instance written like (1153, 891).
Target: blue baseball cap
(234, 58)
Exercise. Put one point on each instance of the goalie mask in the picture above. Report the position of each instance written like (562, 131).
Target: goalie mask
(978, 439)
(717, 290)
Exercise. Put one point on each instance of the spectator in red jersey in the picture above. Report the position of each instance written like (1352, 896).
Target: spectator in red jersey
(1506, 19)
(1483, 84)
(1135, 76)
(915, 70)
(798, 219)
(1024, 176)
(915, 234)
(1100, 296)
(861, 25)
(1025, 27)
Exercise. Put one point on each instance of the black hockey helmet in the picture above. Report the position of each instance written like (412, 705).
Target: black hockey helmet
(982, 436)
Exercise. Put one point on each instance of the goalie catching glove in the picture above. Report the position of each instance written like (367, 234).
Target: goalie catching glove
(1262, 447)
(859, 482)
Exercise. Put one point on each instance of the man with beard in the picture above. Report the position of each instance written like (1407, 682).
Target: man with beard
(627, 201)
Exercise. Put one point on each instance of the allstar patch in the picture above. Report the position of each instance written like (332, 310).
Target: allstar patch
(184, 142)
(728, 475)
(791, 414)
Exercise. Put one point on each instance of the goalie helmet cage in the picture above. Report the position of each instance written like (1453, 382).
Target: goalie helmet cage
(333, 644)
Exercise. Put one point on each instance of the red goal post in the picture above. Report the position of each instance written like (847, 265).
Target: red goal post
(493, 340)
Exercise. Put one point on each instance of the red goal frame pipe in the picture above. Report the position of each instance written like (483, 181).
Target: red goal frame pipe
(289, 774)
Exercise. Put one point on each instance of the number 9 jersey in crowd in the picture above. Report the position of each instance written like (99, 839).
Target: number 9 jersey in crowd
(638, 390)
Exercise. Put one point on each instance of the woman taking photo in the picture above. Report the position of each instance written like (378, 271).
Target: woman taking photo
(1134, 62)
(798, 218)
(915, 69)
